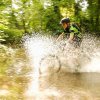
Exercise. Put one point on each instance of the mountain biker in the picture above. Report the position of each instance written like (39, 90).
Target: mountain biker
(71, 32)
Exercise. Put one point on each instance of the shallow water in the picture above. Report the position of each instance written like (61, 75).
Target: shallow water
(70, 86)
(20, 78)
(61, 85)
(14, 68)
(78, 78)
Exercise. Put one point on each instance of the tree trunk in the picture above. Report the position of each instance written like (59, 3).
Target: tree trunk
(97, 21)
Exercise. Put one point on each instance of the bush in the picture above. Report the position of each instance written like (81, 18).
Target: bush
(10, 35)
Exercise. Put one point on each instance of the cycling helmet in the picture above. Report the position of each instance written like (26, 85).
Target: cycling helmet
(65, 20)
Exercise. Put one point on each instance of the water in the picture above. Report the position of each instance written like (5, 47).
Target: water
(44, 69)
(60, 71)
(67, 86)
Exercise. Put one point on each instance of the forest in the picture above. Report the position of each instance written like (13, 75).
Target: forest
(21, 17)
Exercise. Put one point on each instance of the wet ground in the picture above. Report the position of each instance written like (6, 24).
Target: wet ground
(14, 81)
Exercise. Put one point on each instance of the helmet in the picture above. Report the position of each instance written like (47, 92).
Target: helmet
(65, 20)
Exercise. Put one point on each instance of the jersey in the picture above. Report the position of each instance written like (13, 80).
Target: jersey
(73, 29)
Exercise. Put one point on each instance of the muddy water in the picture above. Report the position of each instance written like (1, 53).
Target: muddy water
(15, 80)
(65, 84)
(70, 86)
(14, 68)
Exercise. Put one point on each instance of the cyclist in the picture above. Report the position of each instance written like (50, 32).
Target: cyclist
(71, 32)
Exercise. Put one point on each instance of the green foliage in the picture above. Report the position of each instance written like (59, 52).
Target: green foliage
(52, 18)
(10, 35)
(94, 15)
(2, 37)
(14, 35)
(26, 16)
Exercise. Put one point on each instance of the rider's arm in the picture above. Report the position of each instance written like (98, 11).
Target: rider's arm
(71, 37)
(61, 36)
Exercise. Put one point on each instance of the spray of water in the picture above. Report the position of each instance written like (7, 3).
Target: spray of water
(37, 47)
(48, 56)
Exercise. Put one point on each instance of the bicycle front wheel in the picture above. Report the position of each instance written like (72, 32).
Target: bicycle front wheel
(50, 63)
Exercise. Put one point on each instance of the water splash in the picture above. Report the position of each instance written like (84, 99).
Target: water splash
(36, 47)
(4, 92)
(85, 59)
